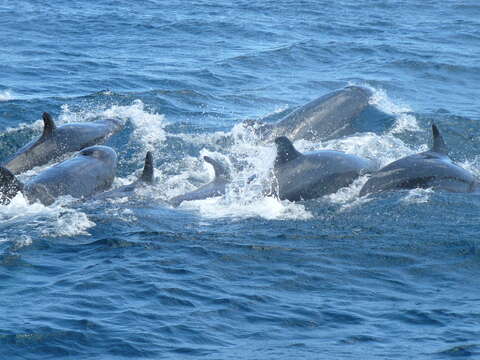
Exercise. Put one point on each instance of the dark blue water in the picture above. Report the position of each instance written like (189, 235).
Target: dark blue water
(241, 276)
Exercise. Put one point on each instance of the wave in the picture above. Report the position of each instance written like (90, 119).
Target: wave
(64, 217)
(59, 219)
(180, 168)
(6, 95)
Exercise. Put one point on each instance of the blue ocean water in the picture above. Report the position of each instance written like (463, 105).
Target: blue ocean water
(240, 276)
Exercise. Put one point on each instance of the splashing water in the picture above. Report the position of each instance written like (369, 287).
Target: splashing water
(248, 157)
(58, 219)
(6, 95)
(405, 121)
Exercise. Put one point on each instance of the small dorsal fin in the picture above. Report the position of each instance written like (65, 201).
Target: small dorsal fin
(285, 151)
(221, 172)
(438, 142)
(49, 125)
(147, 174)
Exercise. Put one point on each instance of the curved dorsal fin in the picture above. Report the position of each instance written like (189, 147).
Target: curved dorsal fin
(221, 172)
(49, 125)
(285, 151)
(438, 142)
(147, 174)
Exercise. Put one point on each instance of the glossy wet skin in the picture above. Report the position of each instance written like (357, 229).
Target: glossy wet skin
(61, 140)
(429, 169)
(425, 170)
(330, 116)
(145, 179)
(91, 171)
(307, 176)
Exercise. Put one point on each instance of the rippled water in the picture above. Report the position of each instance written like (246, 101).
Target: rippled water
(240, 276)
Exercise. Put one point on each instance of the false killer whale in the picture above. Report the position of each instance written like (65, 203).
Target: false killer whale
(430, 169)
(298, 176)
(57, 141)
(92, 170)
(336, 114)
(146, 178)
(214, 188)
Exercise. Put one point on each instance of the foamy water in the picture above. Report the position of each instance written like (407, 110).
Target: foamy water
(55, 220)
(404, 120)
(244, 275)
(64, 218)
(247, 157)
(244, 155)
(6, 95)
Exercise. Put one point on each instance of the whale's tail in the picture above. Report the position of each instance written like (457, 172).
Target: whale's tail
(9, 186)
(221, 172)
(212, 189)
(147, 174)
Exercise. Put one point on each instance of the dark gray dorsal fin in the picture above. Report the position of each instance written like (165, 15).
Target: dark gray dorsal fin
(9, 186)
(221, 172)
(285, 151)
(438, 142)
(147, 174)
(48, 125)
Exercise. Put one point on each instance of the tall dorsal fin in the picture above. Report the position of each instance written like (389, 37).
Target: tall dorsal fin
(221, 172)
(438, 142)
(48, 125)
(147, 174)
(285, 151)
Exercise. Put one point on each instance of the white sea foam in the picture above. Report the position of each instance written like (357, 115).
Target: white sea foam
(472, 165)
(417, 196)
(348, 197)
(243, 199)
(277, 110)
(37, 125)
(55, 220)
(263, 207)
(17, 242)
(381, 148)
(6, 95)
(247, 157)
(21, 242)
(215, 140)
(404, 120)
(69, 223)
(122, 213)
(148, 126)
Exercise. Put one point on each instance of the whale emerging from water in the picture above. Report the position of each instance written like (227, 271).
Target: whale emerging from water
(91, 171)
(340, 113)
(306, 176)
(57, 141)
(214, 188)
(145, 179)
(430, 169)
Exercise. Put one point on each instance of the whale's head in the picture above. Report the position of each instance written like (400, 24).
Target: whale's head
(100, 152)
